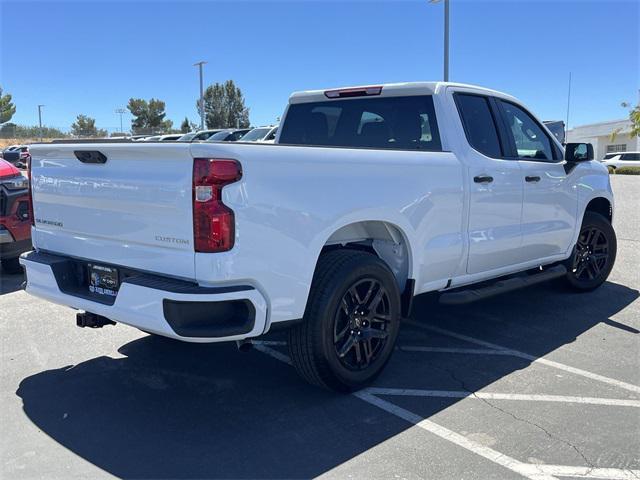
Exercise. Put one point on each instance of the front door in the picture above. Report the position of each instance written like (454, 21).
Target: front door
(550, 208)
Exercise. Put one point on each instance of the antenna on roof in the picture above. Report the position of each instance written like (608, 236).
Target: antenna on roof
(566, 127)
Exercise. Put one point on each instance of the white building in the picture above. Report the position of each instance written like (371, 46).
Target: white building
(599, 134)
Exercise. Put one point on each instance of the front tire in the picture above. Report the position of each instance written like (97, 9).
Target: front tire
(594, 255)
(351, 322)
(11, 265)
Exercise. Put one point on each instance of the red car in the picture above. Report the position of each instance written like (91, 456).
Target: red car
(15, 224)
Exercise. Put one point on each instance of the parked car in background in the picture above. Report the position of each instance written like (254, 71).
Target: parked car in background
(228, 135)
(17, 155)
(15, 227)
(373, 195)
(170, 138)
(10, 148)
(261, 134)
(622, 159)
(152, 138)
(198, 136)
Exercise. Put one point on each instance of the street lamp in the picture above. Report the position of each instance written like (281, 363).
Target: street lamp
(446, 37)
(201, 101)
(40, 119)
(121, 111)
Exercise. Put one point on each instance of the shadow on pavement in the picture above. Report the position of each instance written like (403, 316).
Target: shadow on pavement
(10, 283)
(172, 410)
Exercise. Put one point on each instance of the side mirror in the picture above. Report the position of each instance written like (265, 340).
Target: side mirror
(578, 152)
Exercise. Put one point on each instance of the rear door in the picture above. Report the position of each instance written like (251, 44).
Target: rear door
(133, 209)
(550, 208)
(495, 185)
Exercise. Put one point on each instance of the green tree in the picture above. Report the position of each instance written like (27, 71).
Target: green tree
(224, 106)
(7, 108)
(634, 118)
(86, 127)
(148, 117)
(185, 126)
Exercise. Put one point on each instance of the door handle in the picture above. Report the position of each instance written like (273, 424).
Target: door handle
(532, 178)
(483, 179)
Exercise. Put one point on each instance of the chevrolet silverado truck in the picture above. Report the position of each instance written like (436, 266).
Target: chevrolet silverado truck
(15, 228)
(370, 196)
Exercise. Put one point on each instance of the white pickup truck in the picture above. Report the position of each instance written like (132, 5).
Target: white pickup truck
(370, 196)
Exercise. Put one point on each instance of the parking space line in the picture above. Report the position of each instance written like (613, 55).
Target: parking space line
(407, 392)
(560, 366)
(586, 472)
(466, 351)
(486, 452)
(528, 470)
(453, 437)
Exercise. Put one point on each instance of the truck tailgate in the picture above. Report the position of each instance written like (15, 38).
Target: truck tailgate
(135, 209)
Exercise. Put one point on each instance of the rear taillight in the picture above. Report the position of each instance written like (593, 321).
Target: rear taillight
(31, 216)
(213, 221)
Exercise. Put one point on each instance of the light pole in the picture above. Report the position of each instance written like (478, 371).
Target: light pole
(40, 119)
(121, 111)
(446, 38)
(201, 101)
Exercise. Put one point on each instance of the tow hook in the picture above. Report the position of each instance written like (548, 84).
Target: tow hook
(91, 320)
(244, 345)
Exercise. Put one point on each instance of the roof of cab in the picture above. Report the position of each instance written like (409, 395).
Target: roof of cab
(389, 90)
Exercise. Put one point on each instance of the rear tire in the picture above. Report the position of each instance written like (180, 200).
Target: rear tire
(11, 265)
(594, 255)
(351, 322)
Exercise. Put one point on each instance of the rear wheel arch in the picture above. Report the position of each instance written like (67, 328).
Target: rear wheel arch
(385, 240)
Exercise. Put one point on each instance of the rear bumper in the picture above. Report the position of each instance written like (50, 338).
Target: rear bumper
(161, 305)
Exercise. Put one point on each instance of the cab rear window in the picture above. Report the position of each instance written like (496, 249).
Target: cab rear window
(400, 123)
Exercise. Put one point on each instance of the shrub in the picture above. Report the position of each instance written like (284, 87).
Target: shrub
(611, 170)
(628, 171)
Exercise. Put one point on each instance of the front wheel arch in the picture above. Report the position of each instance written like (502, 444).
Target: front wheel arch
(601, 206)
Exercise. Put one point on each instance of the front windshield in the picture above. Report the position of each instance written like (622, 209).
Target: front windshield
(187, 137)
(206, 134)
(255, 135)
(219, 137)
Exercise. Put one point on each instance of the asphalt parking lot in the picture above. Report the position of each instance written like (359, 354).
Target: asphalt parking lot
(536, 384)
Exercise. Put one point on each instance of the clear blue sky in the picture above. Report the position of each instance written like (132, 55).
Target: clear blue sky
(90, 57)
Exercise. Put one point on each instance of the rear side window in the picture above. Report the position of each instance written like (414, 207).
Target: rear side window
(479, 124)
(400, 123)
(630, 156)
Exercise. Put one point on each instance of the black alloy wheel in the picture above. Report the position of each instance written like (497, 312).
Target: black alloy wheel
(594, 254)
(361, 324)
(351, 322)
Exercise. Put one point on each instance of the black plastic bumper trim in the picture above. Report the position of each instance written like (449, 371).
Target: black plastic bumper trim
(210, 319)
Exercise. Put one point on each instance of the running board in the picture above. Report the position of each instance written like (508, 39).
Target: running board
(501, 286)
